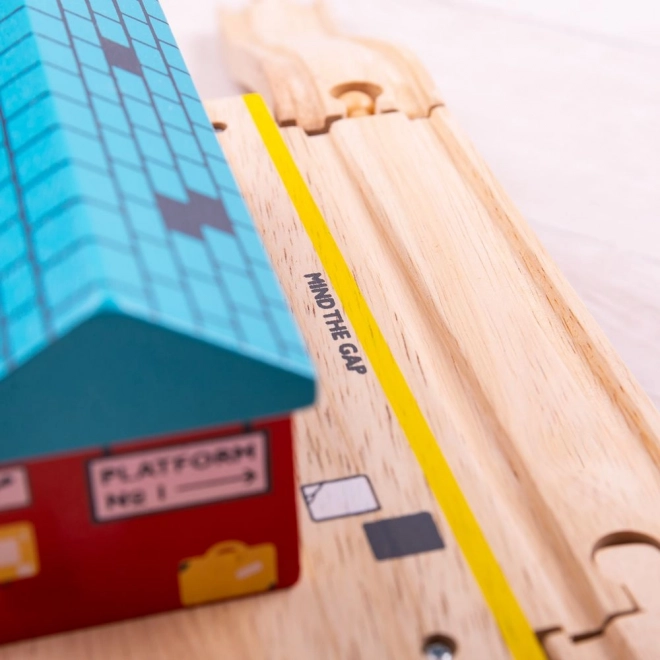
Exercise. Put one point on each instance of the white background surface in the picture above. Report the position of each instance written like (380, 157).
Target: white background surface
(562, 97)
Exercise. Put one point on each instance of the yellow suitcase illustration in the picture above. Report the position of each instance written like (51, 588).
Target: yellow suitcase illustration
(227, 570)
(19, 558)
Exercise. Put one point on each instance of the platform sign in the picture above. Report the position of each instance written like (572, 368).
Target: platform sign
(192, 474)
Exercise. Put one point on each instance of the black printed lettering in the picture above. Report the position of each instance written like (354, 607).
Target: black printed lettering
(335, 323)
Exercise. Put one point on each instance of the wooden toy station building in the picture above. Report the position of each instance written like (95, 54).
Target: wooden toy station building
(479, 475)
(149, 362)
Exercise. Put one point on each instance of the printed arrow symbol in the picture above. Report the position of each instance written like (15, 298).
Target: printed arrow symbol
(247, 477)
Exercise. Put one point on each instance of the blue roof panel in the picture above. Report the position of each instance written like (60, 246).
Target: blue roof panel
(116, 199)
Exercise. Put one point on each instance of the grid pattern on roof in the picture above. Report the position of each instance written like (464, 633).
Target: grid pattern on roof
(113, 185)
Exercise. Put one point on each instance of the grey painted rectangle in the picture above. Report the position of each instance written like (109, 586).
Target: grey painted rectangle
(407, 535)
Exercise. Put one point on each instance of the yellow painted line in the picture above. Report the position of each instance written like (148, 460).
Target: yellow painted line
(514, 626)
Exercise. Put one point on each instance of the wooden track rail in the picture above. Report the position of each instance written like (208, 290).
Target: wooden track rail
(552, 442)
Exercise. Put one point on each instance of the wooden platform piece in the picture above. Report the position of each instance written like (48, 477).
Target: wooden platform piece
(359, 605)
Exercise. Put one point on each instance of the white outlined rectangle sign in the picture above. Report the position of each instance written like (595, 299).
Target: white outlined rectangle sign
(134, 484)
(14, 488)
(339, 498)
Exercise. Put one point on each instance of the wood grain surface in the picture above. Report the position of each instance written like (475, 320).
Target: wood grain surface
(304, 80)
(637, 566)
(562, 99)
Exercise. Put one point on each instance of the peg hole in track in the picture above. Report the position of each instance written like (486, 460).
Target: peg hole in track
(359, 97)
(439, 647)
(219, 126)
(626, 537)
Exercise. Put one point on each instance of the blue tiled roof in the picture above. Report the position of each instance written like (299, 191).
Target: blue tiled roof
(125, 244)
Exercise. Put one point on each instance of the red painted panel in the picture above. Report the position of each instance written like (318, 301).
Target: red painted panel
(97, 572)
